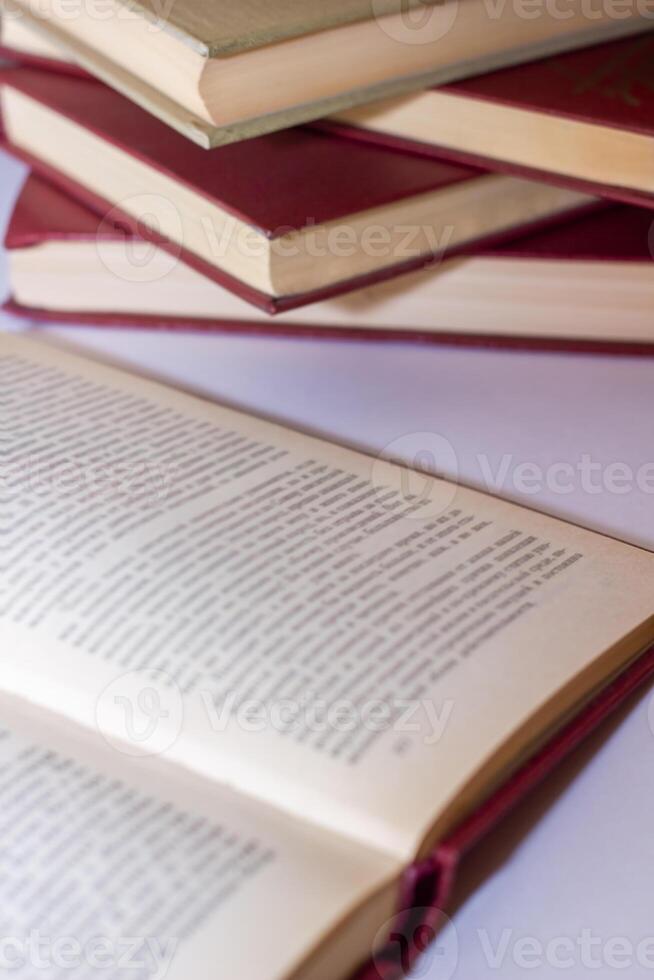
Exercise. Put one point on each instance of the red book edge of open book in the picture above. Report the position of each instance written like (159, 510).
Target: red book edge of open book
(428, 886)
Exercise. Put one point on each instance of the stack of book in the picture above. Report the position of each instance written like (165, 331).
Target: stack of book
(319, 685)
(230, 166)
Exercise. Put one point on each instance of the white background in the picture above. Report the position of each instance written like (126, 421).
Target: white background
(580, 854)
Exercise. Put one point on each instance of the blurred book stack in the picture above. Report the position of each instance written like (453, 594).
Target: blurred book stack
(453, 172)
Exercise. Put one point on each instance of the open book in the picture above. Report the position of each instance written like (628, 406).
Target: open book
(249, 677)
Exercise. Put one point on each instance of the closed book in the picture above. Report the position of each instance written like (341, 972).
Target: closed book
(586, 284)
(584, 119)
(283, 220)
(224, 70)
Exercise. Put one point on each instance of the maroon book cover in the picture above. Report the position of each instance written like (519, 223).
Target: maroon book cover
(613, 233)
(275, 184)
(609, 85)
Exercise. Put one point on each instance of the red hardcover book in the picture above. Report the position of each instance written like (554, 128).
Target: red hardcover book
(587, 284)
(282, 220)
(584, 119)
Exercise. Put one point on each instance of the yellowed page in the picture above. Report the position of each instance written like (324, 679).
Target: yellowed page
(326, 632)
(114, 863)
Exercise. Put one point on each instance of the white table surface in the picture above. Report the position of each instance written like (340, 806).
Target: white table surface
(577, 861)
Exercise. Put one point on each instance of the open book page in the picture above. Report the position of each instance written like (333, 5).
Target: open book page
(129, 867)
(284, 615)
